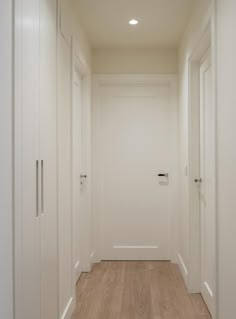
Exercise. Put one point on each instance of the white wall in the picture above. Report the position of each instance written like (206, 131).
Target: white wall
(73, 42)
(6, 271)
(226, 153)
(134, 61)
(71, 27)
(191, 37)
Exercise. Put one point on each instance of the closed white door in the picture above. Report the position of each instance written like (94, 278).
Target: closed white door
(48, 159)
(138, 142)
(27, 211)
(78, 176)
(207, 167)
(65, 236)
(36, 160)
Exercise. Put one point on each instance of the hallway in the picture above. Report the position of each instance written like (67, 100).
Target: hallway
(117, 175)
(136, 290)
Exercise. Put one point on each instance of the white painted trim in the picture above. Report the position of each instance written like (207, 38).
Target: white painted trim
(69, 309)
(207, 41)
(194, 280)
(98, 81)
(77, 271)
(87, 267)
(103, 79)
(94, 258)
(18, 161)
(135, 247)
(63, 23)
(7, 153)
(183, 268)
(208, 289)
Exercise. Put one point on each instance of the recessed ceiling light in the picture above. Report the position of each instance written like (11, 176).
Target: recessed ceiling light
(133, 22)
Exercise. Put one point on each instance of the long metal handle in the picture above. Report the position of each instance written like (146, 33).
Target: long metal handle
(37, 188)
(42, 187)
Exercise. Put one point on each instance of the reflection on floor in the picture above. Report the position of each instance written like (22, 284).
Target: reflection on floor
(136, 290)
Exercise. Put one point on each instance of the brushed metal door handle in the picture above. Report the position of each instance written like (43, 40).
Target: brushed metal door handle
(198, 180)
(42, 186)
(37, 188)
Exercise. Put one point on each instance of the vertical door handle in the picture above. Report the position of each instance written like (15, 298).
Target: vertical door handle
(37, 188)
(42, 187)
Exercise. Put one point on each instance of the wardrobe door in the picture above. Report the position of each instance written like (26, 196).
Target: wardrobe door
(48, 158)
(27, 222)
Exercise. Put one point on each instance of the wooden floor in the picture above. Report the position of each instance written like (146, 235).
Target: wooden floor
(136, 290)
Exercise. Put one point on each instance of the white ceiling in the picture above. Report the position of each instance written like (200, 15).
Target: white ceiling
(161, 22)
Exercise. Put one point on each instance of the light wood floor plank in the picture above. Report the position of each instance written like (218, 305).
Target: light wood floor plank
(136, 290)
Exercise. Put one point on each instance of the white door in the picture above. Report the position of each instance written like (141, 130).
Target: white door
(138, 142)
(78, 176)
(48, 158)
(81, 170)
(36, 160)
(27, 211)
(207, 167)
(65, 236)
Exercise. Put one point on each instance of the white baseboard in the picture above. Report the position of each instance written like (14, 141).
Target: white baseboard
(77, 271)
(69, 309)
(175, 258)
(94, 258)
(183, 268)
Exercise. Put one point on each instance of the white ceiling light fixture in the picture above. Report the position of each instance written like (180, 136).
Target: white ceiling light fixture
(133, 22)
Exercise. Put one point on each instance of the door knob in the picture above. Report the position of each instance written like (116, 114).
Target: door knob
(198, 180)
(83, 176)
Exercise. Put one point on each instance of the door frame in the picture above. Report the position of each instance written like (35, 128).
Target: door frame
(98, 81)
(206, 42)
(81, 67)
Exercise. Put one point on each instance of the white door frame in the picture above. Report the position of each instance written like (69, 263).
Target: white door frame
(99, 80)
(194, 274)
(81, 67)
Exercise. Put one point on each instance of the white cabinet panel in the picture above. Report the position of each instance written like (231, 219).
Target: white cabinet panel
(48, 157)
(36, 144)
(28, 234)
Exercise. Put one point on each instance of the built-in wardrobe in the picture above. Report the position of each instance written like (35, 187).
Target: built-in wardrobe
(52, 182)
(36, 224)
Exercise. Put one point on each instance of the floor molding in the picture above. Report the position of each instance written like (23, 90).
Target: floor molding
(183, 268)
(77, 271)
(69, 309)
(94, 258)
